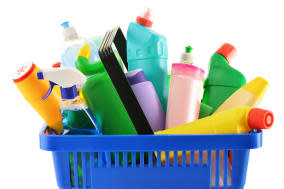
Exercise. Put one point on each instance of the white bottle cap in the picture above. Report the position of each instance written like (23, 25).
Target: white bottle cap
(69, 33)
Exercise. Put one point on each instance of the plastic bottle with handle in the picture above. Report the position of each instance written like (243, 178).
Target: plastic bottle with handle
(222, 80)
(148, 50)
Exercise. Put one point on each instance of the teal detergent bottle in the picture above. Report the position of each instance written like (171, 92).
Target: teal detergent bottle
(148, 50)
(223, 80)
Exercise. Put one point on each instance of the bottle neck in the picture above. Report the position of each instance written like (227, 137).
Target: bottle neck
(70, 34)
(75, 104)
(144, 22)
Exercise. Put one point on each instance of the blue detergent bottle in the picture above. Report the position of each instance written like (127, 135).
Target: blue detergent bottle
(148, 50)
(72, 45)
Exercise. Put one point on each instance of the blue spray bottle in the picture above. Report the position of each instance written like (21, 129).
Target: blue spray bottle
(69, 79)
(148, 50)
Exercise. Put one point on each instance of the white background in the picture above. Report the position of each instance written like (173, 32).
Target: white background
(30, 30)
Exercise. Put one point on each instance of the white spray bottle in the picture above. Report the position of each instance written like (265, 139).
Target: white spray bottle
(69, 80)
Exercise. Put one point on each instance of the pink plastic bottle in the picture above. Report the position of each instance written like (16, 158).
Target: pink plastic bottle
(186, 90)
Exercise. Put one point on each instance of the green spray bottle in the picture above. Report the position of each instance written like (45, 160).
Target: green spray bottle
(223, 80)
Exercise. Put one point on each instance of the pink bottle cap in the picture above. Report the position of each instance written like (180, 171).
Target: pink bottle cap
(24, 71)
(188, 70)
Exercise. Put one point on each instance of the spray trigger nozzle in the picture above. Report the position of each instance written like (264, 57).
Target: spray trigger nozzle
(52, 84)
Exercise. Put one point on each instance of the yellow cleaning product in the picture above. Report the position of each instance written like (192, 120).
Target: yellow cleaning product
(233, 121)
(249, 95)
(34, 90)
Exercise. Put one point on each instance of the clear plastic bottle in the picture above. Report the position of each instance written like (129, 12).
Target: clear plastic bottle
(72, 45)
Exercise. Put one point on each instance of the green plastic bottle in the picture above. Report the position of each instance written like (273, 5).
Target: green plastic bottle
(223, 80)
(102, 97)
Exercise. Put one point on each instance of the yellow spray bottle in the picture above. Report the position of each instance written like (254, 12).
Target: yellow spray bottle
(249, 95)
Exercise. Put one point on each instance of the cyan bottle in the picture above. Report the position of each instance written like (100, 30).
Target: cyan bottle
(148, 50)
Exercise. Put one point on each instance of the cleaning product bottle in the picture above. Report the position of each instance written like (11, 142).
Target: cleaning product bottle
(72, 45)
(186, 90)
(69, 80)
(250, 95)
(102, 97)
(223, 80)
(148, 50)
(74, 118)
(232, 121)
(86, 66)
(33, 90)
(147, 98)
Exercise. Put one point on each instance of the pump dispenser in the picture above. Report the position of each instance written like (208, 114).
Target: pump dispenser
(69, 80)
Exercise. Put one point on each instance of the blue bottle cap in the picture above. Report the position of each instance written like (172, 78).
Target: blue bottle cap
(69, 93)
(136, 76)
(65, 24)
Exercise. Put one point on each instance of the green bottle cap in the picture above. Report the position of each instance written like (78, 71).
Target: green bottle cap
(188, 49)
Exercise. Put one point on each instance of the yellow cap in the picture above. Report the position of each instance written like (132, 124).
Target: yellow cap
(85, 51)
(257, 87)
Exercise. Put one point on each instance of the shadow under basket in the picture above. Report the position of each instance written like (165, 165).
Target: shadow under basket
(151, 161)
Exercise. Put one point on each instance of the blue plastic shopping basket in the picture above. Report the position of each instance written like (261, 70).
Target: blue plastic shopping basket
(134, 162)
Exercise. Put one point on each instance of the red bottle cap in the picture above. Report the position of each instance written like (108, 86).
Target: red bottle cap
(228, 51)
(145, 18)
(24, 71)
(260, 119)
(56, 65)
